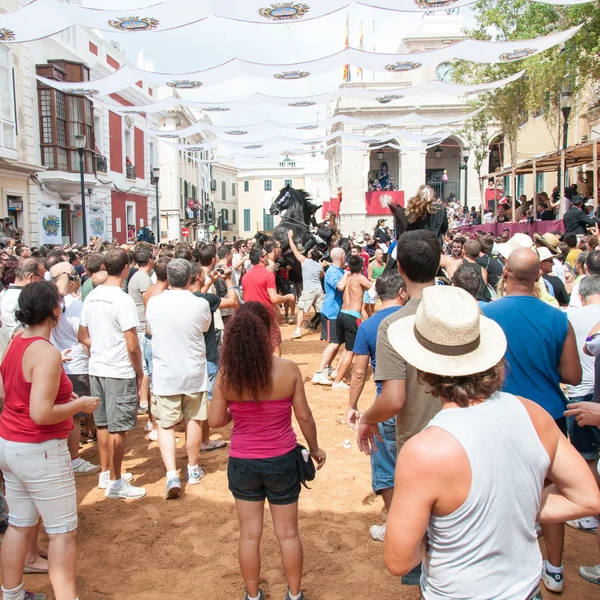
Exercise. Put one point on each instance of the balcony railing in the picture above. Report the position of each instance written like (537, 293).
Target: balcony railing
(130, 172)
(101, 164)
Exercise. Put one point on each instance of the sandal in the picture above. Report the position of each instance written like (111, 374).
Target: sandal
(214, 445)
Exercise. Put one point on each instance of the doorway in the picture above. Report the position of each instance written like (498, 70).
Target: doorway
(130, 221)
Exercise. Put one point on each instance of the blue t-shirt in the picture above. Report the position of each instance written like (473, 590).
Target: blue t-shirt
(536, 334)
(366, 338)
(332, 303)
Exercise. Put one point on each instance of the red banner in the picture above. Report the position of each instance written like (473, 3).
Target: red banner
(376, 202)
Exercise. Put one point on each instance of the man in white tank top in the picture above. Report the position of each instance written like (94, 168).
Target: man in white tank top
(469, 488)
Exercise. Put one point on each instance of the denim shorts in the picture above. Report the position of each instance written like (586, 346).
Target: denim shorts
(212, 369)
(39, 482)
(586, 440)
(254, 479)
(383, 462)
(147, 356)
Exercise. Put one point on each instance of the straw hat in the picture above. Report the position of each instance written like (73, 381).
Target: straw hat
(548, 239)
(448, 335)
(519, 240)
(545, 254)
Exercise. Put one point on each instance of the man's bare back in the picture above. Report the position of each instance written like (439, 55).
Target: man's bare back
(450, 264)
(354, 292)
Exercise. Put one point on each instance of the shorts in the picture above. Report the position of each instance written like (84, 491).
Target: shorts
(118, 403)
(347, 326)
(39, 482)
(586, 440)
(329, 331)
(383, 462)
(212, 369)
(368, 299)
(142, 339)
(81, 387)
(254, 479)
(310, 298)
(275, 331)
(561, 423)
(170, 410)
(147, 356)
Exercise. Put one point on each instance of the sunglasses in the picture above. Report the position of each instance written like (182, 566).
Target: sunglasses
(72, 277)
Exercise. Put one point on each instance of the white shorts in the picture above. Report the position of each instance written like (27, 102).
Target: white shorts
(39, 482)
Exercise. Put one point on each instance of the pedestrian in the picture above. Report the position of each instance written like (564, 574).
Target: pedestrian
(423, 212)
(96, 274)
(391, 289)
(259, 286)
(37, 418)
(456, 480)
(334, 282)
(259, 391)
(529, 323)
(177, 321)
(108, 329)
(557, 287)
(403, 395)
(312, 290)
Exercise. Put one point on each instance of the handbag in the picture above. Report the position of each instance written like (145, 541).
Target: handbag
(306, 468)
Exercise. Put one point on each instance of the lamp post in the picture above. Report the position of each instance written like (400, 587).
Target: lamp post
(154, 181)
(566, 102)
(80, 145)
(438, 152)
(465, 166)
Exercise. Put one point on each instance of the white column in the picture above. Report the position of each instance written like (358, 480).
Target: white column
(412, 169)
(354, 172)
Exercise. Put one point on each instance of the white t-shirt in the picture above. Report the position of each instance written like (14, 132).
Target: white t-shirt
(236, 274)
(10, 304)
(177, 321)
(583, 318)
(64, 337)
(575, 297)
(108, 312)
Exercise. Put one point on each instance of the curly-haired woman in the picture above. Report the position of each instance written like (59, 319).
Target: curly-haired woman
(259, 391)
(34, 457)
(470, 486)
(422, 212)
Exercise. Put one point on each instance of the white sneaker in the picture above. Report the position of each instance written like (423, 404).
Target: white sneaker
(378, 532)
(84, 467)
(296, 335)
(331, 372)
(321, 379)
(124, 490)
(552, 581)
(341, 386)
(148, 427)
(194, 475)
(589, 524)
(104, 479)
(153, 436)
(173, 488)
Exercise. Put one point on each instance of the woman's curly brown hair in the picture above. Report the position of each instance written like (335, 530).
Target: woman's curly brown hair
(421, 204)
(246, 360)
(478, 386)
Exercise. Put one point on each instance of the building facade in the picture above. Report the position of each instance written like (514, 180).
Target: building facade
(225, 202)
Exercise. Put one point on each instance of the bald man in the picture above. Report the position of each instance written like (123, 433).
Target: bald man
(75, 363)
(542, 354)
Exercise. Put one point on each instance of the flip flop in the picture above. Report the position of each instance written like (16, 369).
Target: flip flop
(31, 570)
(214, 445)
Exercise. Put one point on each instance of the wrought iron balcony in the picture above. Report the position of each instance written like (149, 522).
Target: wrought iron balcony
(101, 164)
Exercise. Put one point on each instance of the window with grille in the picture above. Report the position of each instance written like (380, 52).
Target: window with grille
(246, 186)
(246, 219)
(223, 191)
(8, 134)
(268, 185)
(287, 182)
(233, 216)
(233, 189)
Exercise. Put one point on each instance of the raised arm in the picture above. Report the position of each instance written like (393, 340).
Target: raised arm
(299, 257)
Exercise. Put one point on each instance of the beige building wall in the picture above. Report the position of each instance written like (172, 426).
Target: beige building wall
(225, 201)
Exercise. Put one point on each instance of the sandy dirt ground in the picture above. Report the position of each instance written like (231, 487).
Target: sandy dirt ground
(151, 549)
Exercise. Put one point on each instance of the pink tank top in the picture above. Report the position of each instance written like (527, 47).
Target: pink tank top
(262, 429)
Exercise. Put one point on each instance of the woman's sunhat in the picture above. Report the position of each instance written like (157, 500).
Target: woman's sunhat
(448, 335)
(548, 239)
(519, 240)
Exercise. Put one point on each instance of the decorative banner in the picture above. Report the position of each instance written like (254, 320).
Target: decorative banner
(50, 226)
(96, 223)
(43, 18)
(479, 51)
(432, 87)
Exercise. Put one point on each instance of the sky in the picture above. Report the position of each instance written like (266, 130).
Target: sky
(213, 41)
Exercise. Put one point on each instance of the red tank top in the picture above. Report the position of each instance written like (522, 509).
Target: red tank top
(15, 424)
(262, 429)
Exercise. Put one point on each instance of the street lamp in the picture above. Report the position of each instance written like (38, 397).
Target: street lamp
(438, 152)
(379, 155)
(80, 145)
(566, 102)
(154, 181)
(465, 157)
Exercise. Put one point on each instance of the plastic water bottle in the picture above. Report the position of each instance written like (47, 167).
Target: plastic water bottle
(305, 455)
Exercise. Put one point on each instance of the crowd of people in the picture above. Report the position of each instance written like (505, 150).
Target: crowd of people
(483, 434)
